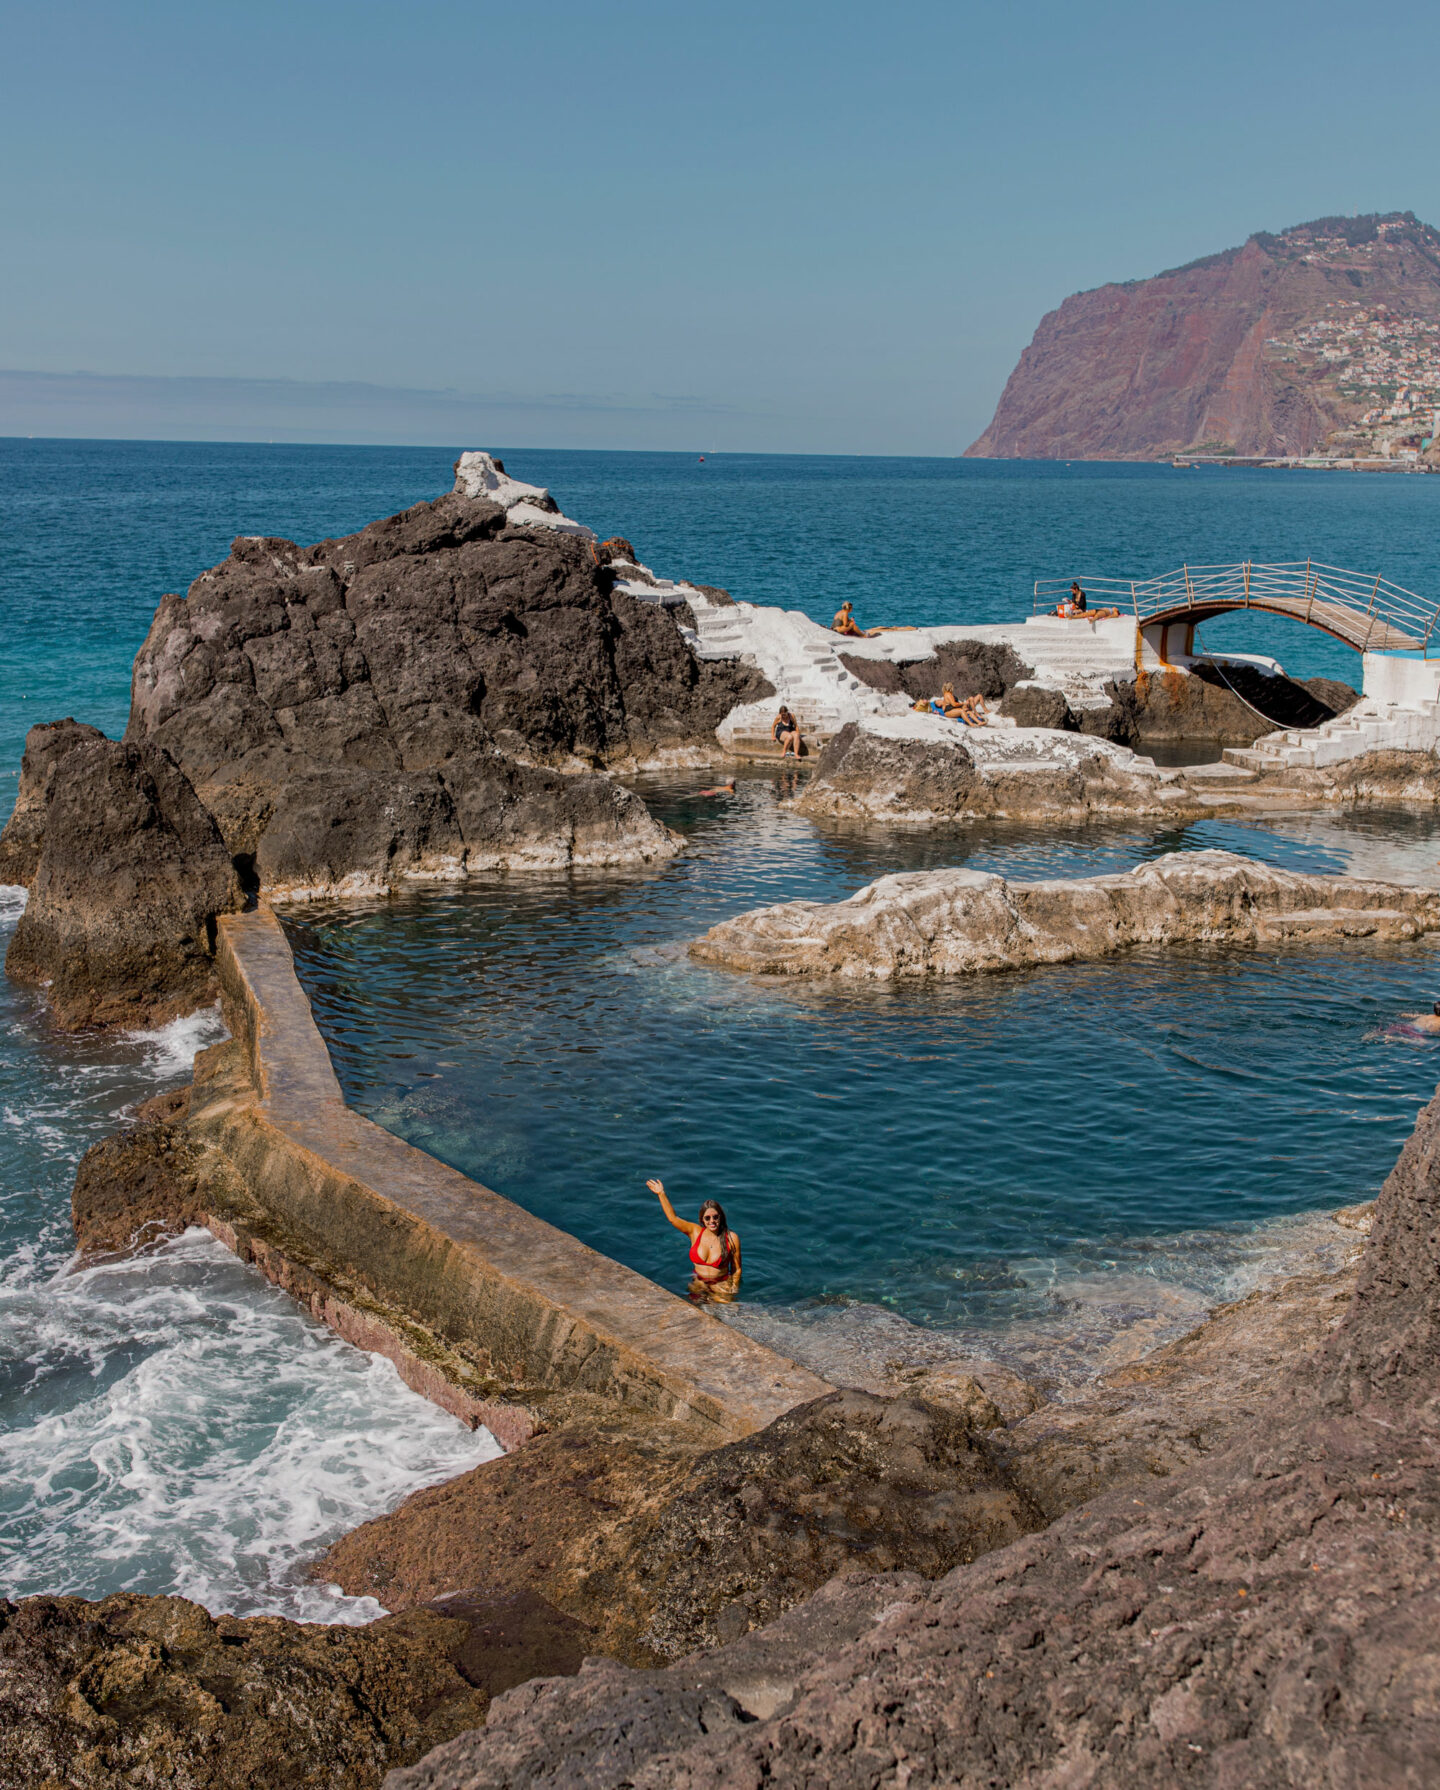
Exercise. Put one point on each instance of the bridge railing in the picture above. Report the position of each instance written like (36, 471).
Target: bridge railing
(1360, 607)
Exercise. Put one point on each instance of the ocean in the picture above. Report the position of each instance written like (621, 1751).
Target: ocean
(173, 1423)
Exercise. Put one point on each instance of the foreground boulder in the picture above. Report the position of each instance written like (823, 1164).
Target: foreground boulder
(155, 1691)
(960, 922)
(1268, 1616)
(661, 1549)
(127, 872)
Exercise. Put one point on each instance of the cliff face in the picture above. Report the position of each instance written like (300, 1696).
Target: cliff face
(1323, 338)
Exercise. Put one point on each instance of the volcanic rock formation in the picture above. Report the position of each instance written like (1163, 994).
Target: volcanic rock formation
(391, 703)
(963, 922)
(917, 770)
(1283, 346)
(127, 872)
(434, 696)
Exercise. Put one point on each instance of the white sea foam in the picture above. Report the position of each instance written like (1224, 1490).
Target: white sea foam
(13, 897)
(186, 1429)
(169, 1050)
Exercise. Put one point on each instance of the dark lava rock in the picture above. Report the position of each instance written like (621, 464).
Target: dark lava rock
(365, 699)
(137, 1691)
(1235, 705)
(1269, 1615)
(131, 872)
(1035, 706)
(970, 667)
(140, 1184)
(45, 748)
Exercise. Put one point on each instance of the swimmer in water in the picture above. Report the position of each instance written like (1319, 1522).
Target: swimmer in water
(720, 789)
(1429, 1023)
(714, 1248)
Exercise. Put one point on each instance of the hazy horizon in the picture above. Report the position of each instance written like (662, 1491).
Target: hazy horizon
(737, 228)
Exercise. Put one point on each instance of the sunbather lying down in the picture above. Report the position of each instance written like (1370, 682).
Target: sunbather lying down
(969, 711)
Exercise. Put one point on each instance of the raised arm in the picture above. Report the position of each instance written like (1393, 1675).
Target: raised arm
(692, 1231)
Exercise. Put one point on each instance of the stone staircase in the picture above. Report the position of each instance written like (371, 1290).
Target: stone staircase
(1075, 657)
(798, 656)
(1368, 727)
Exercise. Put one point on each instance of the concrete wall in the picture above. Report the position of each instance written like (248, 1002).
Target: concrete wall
(408, 1241)
(1391, 679)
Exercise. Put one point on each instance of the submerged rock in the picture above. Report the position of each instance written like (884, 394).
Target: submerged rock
(129, 872)
(960, 922)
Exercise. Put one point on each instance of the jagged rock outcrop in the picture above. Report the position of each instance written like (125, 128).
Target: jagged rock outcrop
(433, 696)
(963, 922)
(129, 872)
(392, 703)
(1224, 355)
(1266, 1616)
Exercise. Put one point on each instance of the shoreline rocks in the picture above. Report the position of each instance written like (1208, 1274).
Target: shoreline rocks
(127, 874)
(967, 922)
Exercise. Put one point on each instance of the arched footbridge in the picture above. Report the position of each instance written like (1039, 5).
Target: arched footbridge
(1367, 612)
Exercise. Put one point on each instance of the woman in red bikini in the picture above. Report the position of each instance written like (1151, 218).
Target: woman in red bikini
(714, 1248)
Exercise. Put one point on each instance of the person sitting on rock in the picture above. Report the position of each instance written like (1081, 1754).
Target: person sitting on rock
(714, 1248)
(973, 711)
(947, 703)
(785, 730)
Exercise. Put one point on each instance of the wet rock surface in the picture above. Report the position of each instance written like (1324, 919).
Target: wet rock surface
(129, 872)
(1266, 1615)
(962, 922)
(141, 1184)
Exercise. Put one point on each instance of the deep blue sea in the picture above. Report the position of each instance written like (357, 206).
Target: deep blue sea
(1092, 1152)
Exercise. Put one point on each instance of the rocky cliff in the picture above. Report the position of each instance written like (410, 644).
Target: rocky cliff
(1324, 337)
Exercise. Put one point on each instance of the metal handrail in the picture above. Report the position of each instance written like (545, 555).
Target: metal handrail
(1353, 606)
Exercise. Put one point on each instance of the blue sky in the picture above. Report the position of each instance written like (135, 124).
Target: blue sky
(779, 226)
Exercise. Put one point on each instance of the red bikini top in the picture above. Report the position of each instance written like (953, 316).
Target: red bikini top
(723, 1264)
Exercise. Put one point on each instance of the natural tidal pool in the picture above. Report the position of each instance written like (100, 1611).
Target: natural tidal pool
(1132, 1138)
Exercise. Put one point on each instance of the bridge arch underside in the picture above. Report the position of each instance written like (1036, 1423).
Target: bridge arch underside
(1168, 628)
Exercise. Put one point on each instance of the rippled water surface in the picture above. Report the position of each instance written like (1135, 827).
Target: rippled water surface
(959, 1152)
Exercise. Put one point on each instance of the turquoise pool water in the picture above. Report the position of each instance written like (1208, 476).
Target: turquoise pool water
(952, 1152)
